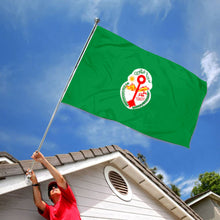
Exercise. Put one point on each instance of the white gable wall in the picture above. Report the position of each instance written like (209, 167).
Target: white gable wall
(95, 200)
(18, 205)
(206, 209)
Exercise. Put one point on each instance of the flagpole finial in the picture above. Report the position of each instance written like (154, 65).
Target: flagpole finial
(97, 20)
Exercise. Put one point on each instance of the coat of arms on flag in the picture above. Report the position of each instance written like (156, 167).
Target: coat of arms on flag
(135, 93)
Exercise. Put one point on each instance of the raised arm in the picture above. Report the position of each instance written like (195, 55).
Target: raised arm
(36, 191)
(39, 157)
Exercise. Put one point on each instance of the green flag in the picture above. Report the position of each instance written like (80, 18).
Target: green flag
(119, 81)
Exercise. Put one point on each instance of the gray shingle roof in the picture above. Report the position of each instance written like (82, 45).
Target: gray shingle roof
(19, 167)
(189, 200)
(9, 156)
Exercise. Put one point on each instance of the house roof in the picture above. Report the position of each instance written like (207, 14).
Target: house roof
(119, 157)
(201, 196)
(7, 158)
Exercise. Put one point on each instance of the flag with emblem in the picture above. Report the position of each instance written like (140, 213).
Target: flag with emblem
(119, 81)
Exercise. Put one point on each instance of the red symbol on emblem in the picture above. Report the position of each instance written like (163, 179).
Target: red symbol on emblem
(141, 79)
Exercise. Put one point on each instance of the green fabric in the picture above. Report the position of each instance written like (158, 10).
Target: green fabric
(174, 94)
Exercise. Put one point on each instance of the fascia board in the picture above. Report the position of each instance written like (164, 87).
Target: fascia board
(13, 183)
(151, 187)
(19, 181)
(211, 194)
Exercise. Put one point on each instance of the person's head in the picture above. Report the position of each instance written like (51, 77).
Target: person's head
(53, 191)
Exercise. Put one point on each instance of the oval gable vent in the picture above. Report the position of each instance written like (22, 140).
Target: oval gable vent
(117, 183)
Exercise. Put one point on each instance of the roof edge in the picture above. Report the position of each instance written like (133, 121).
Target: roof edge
(203, 196)
(75, 161)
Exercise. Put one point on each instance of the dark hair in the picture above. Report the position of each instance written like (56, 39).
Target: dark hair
(50, 187)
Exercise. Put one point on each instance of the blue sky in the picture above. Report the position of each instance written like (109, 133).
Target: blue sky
(40, 43)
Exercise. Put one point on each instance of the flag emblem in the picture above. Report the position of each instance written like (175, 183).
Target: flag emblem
(135, 93)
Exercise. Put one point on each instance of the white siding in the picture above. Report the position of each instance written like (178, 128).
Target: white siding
(18, 205)
(94, 197)
(206, 209)
(97, 201)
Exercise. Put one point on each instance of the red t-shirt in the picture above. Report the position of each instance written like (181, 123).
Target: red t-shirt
(65, 209)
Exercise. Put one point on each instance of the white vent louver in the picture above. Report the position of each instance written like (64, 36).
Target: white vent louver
(118, 183)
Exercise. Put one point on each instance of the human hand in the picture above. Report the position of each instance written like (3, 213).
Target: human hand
(38, 156)
(30, 173)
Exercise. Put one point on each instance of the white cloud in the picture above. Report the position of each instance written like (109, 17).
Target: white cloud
(47, 87)
(186, 186)
(15, 139)
(24, 12)
(108, 10)
(17, 10)
(202, 25)
(211, 103)
(211, 69)
(102, 132)
(178, 180)
(155, 7)
(166, 176)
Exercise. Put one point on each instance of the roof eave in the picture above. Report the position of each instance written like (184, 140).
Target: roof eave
(154, 190)
(122, 159)
(208, 194)
(15, 182)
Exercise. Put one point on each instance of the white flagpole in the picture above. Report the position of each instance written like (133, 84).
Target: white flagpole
(67, 85)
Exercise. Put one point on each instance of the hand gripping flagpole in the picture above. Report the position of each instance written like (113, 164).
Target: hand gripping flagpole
(64, 91)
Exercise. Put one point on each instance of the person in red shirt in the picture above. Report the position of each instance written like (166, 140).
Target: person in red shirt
(60, 193)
